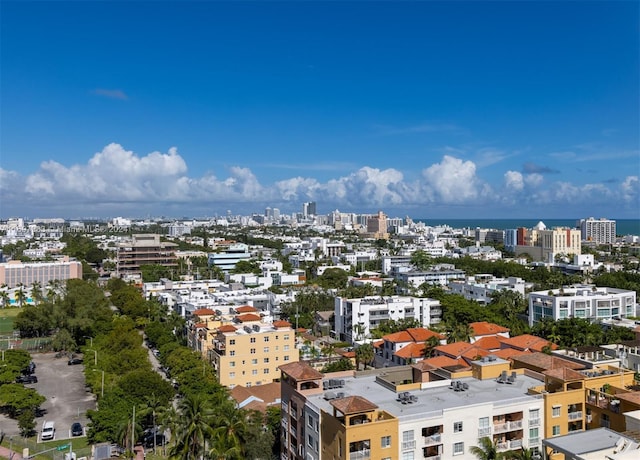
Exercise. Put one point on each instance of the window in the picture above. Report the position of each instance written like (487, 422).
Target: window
(556, 430)
(266, 349)
(253, 351)
(252, 340)
(286, 348)
(385, 441)
(254, 361)
(266, 370)
(483, 427)
(407, 456)
(232, 342)
(266, 338)
(232, 375)
(458, 448)
(286, 358)
(457, 427)
(254, 372)
(232, 364)
(286, 337)
(309, 420)
(310, 441)
(266, 360)
(232, 353)
(534, 414)
(407, 436)
(534, 434)
(555, 411)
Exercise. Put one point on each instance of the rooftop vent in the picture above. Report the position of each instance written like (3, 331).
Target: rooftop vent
(247, 329)
(329, 395)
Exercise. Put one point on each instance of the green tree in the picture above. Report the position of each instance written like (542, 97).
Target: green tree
(15, 398)
(429, 345)
(229, 434)
(27, 422)
(192, 429)
(343, 364)
(63, 341)
(487, 450)
(333, 278)
(421, 260)
(364, 355)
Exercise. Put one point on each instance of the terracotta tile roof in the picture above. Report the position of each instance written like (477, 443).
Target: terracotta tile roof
(248, 317)
(564, 373)
(204, 312)
(378, 344)
(227, 328)
(528, 342)
(440, 361)
(398, 337)
(200, 325)
(345, 354)
(454, 349)
(490, 342)
(508, 353)
(484, 328)
(632, 397)
(543, 361)
(281, 323)
(474, 353)
(417, 334)
(353, 405)
(413, 350)
(300, 371)
(246, 309)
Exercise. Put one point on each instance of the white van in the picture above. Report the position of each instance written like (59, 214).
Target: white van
(48, 431)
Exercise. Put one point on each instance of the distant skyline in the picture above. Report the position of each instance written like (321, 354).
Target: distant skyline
(428, 109)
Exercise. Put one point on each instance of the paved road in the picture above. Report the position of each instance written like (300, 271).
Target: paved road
(67, 397)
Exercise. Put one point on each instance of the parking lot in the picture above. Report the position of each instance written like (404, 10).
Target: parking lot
(67, 397)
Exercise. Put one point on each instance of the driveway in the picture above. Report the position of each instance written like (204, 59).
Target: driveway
(68, 399)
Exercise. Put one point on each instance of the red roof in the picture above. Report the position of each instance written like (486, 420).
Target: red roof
(443, 361)
(455, 349)
(485, 328)
(378, 344)
(413, 350)
(204, 312)
(490, 342)
(281, 323)
(200, 325)
(247, 318)
(227, 328)
(528, 342)
(415, 334)
(246, 309)
(508, 353)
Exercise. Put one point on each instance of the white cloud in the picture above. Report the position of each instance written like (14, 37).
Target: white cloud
(115, 177)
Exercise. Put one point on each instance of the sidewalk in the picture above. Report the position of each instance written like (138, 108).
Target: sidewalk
(5, 452)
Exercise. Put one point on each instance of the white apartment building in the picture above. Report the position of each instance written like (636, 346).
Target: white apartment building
(16, 272)
(481, 287)
(602, 231)
(432, 414)
(581, 301)
(441, 276)
(227, 260)
(355, 318)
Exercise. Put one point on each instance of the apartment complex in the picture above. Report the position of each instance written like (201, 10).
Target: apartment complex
(482, 287)
(377, 226)
(543, 244)
(581, 301)
(408, 412)
(226, 260)
(601, 231)
(144, 249)
(355, 318)
(249, 351)
(15, 272)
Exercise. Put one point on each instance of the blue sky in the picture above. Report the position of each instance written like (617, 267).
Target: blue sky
(458, 109)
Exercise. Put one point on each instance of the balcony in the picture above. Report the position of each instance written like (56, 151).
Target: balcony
(515, 444)
(577, 415)
(433, 440)
(515, 425)
(408, 445)
(363, 454)
(434, 457)
(500, 427)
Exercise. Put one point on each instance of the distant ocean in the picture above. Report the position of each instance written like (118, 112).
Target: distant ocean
(623, 226)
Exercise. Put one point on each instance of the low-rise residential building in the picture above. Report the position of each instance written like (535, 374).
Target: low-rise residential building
(144, 249)
(581, 301)
(227, 259)
(355, 318)
(406, 347)
(481, 288)
(417, 411)
(249, 351)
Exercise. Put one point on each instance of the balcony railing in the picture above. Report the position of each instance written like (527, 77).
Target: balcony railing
(515, 425)
(575, 415)
(408, 445)
(360, 454)
(515, 444)
(433, 439)
(434, 457)
(502, 445)
(500, 427)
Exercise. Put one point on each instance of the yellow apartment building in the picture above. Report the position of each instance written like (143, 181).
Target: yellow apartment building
(249, 351)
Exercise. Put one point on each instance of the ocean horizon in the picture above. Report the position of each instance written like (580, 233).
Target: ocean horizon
(623, 226)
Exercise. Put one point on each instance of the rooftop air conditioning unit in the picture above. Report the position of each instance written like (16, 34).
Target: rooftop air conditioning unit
(247, 329)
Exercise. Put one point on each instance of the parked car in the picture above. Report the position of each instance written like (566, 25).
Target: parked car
(30, 369)
(27, 379)
(73, 361)
(76, 429)
(48, 431)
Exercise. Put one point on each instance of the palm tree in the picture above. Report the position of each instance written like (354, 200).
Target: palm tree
(429, 346)
(522, 454)
(229, 434)
(4, 298)
(19, 294)
(36, 292)
(487, 450)
(364, 354)
(192, 429)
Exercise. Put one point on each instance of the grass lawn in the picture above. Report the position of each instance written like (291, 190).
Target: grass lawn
(7, 315)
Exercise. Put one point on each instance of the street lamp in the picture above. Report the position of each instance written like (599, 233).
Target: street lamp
(102, 387)
(95, 357)
(90, 338)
